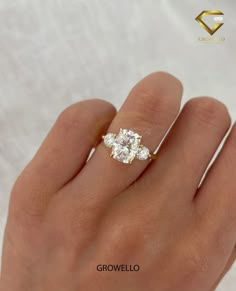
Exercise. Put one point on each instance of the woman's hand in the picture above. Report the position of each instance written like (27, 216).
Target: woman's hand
(70, 221)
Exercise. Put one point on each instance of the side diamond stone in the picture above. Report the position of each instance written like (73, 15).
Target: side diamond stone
(109, 139)
(143, 153)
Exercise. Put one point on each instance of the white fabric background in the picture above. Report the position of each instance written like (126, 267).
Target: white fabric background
(56, 52)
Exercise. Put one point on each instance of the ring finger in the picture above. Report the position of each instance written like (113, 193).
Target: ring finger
(149, 110)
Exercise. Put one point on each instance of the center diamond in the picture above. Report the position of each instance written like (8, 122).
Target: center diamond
(126, 146)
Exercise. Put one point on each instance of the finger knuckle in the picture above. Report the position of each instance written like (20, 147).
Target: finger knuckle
(148, 110)
(208, 111)
(152, 103)
(71, 117)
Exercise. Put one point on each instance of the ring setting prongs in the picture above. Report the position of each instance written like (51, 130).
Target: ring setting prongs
(126, 146)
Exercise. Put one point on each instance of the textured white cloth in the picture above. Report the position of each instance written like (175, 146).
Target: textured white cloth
(56, 52)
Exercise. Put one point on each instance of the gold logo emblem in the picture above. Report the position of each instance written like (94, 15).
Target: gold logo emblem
(217, 20)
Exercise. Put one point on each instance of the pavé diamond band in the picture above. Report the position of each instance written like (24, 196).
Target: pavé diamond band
(126, 146)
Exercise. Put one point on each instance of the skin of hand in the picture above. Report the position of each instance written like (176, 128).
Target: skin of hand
(70, 216)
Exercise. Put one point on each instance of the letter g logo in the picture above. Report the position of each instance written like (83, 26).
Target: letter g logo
(218, 18)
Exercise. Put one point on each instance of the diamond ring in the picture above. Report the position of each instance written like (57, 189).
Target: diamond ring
(126, 146)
